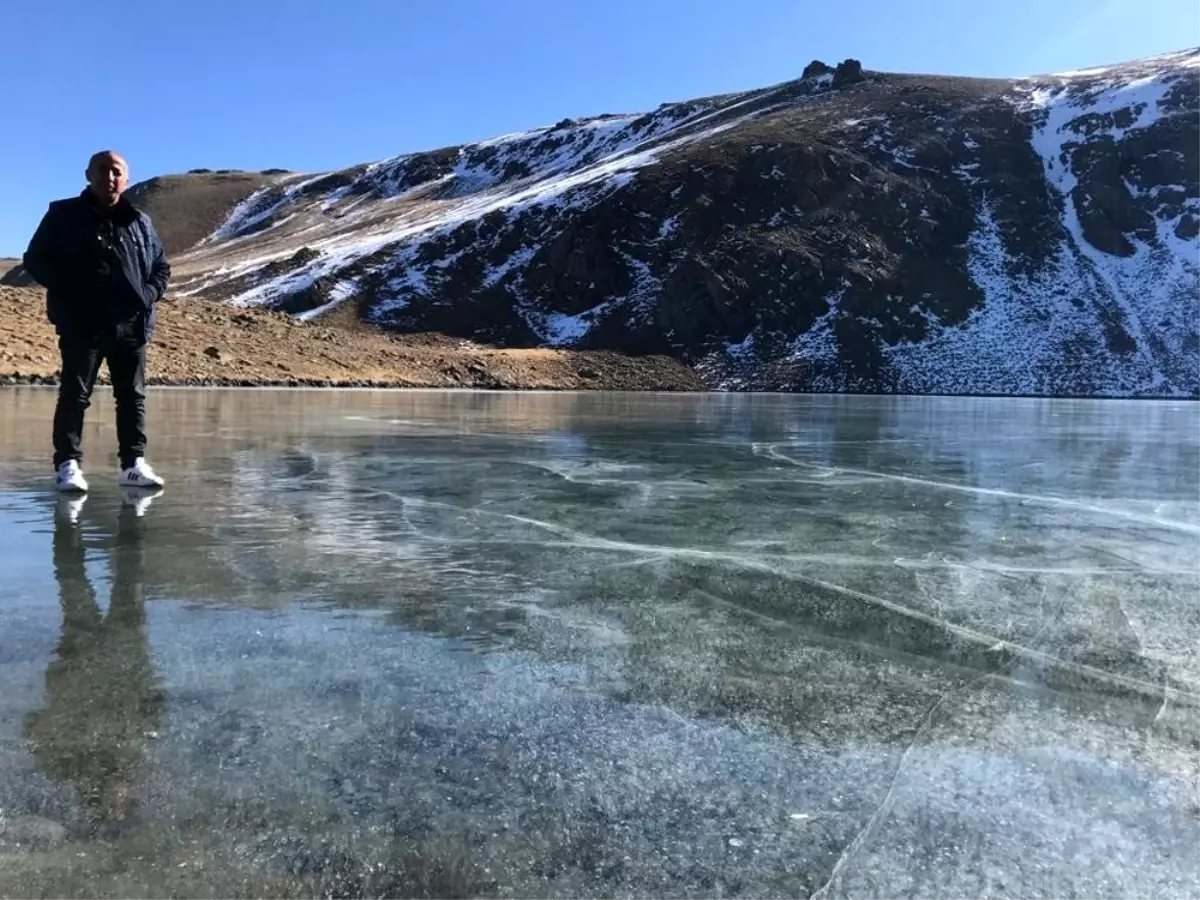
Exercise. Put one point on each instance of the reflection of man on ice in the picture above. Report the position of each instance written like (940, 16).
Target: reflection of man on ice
(101, 695)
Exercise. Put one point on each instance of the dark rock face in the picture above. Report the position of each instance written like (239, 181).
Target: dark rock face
(816, 69)
(300, 258)
(907, 234)
(848, 71)
(16, 277)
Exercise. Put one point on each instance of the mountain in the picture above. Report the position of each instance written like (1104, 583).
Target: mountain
(13, 274)
(847, 231)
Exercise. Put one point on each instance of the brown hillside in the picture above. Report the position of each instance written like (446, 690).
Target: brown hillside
(206, 343)
(185, 209)
(188, 208)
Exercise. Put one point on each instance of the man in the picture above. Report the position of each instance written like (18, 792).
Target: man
(104, 270)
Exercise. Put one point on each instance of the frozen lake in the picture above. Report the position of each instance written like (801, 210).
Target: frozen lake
(532, 645)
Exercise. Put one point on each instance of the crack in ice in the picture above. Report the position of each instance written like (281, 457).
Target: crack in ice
(771, 452)
(969, 635)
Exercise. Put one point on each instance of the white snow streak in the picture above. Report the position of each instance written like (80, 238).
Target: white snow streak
(559, 329)
(669, 226)
(1046, 331)
(819, 344)
(341, 292)
(476, 193)
(1150, 283)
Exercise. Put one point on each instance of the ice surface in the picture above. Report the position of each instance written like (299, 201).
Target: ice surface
(605, 645)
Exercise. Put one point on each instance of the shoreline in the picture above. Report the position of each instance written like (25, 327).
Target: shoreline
(206, 344)
(46, 382)
(200, 343)
(51, 381)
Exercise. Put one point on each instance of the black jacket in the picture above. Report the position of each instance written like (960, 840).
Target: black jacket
(96, 273)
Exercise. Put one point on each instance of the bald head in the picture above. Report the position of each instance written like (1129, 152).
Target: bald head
(107, 177)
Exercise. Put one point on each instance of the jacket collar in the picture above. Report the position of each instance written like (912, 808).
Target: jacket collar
(124, 213)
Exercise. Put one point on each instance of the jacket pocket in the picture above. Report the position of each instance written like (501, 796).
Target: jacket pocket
(149, 295)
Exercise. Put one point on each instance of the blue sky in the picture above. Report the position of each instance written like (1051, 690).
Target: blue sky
(319, 85)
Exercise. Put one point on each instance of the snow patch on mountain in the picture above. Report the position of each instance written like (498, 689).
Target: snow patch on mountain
(258, 208)
(1023, 339)
(1181, 59)
(605, 154)
(562, 330)
(1006, 343)
(338, 294)
(1161, 274)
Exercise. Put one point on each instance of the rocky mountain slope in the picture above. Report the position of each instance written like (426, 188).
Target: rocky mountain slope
(847, 231)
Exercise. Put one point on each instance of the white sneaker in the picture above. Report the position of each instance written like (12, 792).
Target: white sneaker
(69, 507)
(140, 475)
(70, 478)
(138, 499)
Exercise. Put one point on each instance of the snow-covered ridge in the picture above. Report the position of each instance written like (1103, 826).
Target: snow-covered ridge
(1153, 291)
(1072, 239)
(403, 201)
(1180, 59)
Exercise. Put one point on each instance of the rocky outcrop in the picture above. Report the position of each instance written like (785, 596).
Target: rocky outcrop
(816, 69)
(848, 231)
(16, 277)
(848, 71)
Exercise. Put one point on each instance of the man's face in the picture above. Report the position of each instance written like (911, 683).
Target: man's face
(108, 176)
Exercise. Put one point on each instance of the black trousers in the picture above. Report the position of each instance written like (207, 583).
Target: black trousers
(124, 350)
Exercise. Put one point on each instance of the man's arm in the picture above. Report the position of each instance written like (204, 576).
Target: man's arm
(42, 257)
(160, 269)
